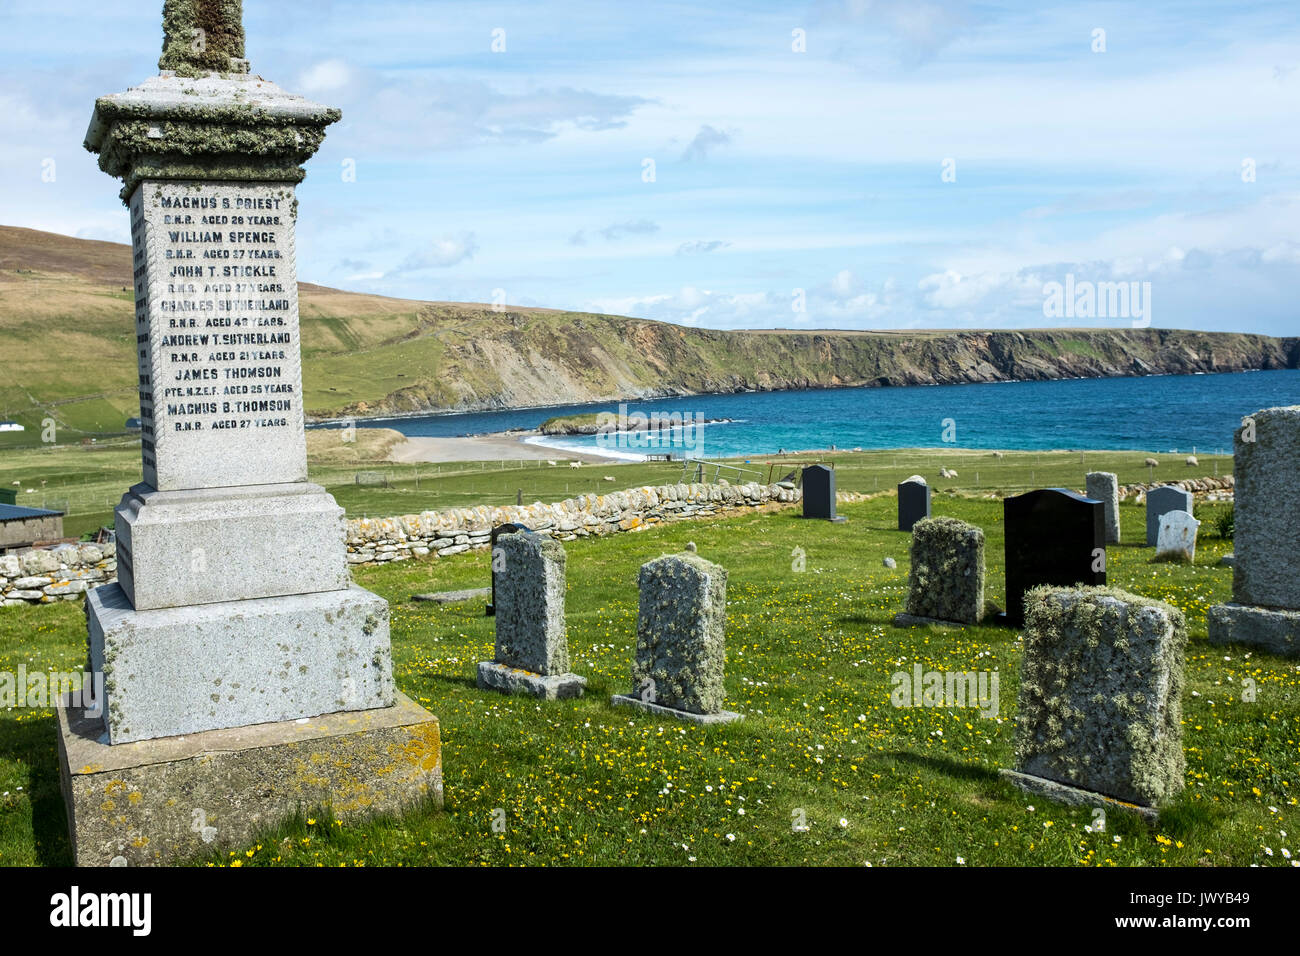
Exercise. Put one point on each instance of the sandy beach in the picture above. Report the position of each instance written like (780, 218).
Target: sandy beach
(506, 446)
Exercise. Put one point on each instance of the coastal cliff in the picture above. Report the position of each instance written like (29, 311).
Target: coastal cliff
(68, 327)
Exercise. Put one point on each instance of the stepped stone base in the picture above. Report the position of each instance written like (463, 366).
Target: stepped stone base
(193, 669)
(512, 680)
(180, 548)
(1075, 796)
(178, 799)
(1270, 629)
(636, 703)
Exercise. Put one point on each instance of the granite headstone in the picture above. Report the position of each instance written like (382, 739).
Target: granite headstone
(946, 582)
(819, 492)
(681, 651)
(532, 647)
(913, 502)
(497, 532)
(1265, 608)
(1099, 719)
(1103, 486)
(1053, 536)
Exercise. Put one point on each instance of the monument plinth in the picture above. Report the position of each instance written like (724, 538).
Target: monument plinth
(234, 606)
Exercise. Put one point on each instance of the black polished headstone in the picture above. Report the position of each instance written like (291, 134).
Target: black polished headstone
(913, 504)
(819, 492)
(497, 532)
(1053, 536)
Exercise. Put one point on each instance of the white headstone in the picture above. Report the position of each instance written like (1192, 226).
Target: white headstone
(1177, 538)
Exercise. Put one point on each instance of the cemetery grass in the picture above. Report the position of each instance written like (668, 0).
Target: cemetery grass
(809, 660)
(87, 482)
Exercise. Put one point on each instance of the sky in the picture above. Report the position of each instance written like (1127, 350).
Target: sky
(840, 164)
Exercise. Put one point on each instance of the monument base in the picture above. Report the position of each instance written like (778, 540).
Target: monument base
(1270, 629)
(1075, 796)
(512, 680)
(192, 669)
(208, 546)
(721, 717)
(176, 799)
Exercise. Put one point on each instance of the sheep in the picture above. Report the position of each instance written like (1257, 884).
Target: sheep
(1191, 461)
(575, 464)
(1151, 463)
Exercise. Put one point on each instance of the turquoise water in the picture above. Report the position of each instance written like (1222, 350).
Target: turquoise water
(1167, 413)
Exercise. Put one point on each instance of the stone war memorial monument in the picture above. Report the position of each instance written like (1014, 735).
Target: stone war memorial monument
(245, 676)
(1265, 607)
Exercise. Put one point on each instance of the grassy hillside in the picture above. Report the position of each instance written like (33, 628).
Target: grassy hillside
(66, 335)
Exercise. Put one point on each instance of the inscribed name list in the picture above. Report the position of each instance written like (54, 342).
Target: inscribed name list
(220, 360)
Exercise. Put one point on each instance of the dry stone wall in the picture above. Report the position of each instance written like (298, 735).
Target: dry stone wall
(1211, 489)
(377, 540)
(66, 572)
(63, 573)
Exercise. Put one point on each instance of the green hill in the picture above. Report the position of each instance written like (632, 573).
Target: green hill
(67, 350)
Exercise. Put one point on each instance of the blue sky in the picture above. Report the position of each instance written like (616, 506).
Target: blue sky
(781, 177)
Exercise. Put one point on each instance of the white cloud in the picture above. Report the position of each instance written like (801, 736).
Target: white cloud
(441, 254)
(701, 247)
(705, 141)
(631, 227)
(414, 113)
(325, 77)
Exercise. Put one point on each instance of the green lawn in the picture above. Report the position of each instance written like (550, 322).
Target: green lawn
(87, 481)
(809, 659)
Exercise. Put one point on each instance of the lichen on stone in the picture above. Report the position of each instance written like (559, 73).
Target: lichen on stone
(946, 581)
(1100, 704)
(202, 36)
(680, 659)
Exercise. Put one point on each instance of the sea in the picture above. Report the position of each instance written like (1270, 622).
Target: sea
(1162, 413)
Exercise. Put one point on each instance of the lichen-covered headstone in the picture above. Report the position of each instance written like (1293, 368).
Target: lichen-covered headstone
(532, 648)
(681, 652)
(946, 582)
(1103, 486)
(1161, 501)
(1265, 608)
(1100, 706)
(1177, 541)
